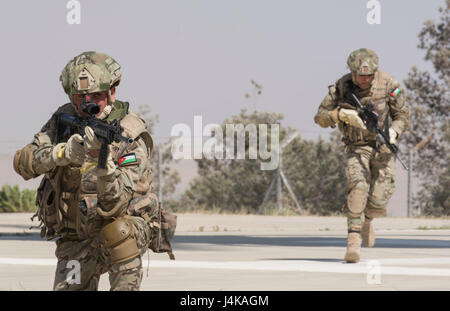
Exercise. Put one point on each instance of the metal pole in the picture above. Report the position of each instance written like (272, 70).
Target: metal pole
(266, 196)
(411, 152)
(160, 177)
(409, 208)
(286, 183)
(279, 192)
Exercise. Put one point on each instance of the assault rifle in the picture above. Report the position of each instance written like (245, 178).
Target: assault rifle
(106, 133)
(370, 119)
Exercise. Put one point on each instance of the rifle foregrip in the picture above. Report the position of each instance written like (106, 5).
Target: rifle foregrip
(103, 155)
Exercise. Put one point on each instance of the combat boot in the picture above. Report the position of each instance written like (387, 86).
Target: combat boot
(353, 247)
(367, 233)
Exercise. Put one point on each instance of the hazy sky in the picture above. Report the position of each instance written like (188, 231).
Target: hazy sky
(196, 57)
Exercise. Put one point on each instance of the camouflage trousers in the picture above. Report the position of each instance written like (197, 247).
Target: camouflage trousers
(82, 262)
(370, 183)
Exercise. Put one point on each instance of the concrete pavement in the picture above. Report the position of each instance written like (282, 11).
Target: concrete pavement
(234, 252)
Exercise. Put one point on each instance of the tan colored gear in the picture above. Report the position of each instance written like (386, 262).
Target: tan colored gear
(363, 62)
(90, 72)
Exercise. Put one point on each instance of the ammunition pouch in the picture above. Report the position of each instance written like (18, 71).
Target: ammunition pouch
(118, 239)
(162, 223)
(48, 210)
(88, 223)
(163, 230)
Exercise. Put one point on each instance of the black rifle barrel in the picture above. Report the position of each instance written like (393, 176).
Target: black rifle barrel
(107, 133)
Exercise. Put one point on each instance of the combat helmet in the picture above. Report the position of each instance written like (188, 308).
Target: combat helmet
(363, 62)
(90, 72)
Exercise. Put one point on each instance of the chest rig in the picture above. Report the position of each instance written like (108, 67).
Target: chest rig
(377, 94)
(67, 195)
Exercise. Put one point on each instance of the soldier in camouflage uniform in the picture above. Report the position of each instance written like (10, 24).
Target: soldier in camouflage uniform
(370, 168)
(98, 215)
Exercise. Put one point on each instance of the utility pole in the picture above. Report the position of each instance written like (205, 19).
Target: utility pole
(410, 161)
(280, 179)
(408, 210)
(161, 148)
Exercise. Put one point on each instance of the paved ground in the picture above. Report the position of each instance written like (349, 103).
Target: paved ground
(224, 252)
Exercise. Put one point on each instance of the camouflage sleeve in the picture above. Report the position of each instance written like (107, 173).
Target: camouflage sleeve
(115, 191)
(398, 109)
(42, 159)
(324, 116)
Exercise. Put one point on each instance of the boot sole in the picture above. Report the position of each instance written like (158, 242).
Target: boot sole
(352, 257)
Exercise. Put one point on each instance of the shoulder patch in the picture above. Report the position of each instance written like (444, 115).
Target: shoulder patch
(395, 92)
(128, 159)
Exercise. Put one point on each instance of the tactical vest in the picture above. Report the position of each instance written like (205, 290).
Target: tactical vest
(378, 95)
(67, 195)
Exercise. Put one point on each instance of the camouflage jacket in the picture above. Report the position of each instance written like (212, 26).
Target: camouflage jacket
(387, 97)
(86, 201)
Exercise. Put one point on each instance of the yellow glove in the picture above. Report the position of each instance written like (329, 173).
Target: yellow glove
(350, 116)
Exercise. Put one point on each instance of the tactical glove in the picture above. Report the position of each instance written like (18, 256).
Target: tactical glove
(71, 152)
(392, 136)
(91, 142)
(350, 116)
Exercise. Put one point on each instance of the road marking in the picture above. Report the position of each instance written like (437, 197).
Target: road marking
(281, 265)
(415, 261)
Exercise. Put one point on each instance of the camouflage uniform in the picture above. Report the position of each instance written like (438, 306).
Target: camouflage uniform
(369, 172)
(98, 220)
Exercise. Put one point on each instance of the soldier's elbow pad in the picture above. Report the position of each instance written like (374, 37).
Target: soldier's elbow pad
(321, 121)
(118, 239)
(23, 162)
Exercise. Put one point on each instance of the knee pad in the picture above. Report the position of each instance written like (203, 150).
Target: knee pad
(357, 200)
(118, 239)
(377, 209)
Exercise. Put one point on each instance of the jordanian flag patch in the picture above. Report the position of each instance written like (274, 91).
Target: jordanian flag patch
(395, 92)
(127, 159)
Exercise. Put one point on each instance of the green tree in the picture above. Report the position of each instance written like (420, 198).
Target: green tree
(428, 96)
(14, 200)
(230, 184)
(314, 170)
(171, 177)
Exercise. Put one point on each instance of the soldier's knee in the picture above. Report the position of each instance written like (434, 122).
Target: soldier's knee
(359, 183)
(376, 208)
(357, 198)
(119, 240)
(379, 198)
